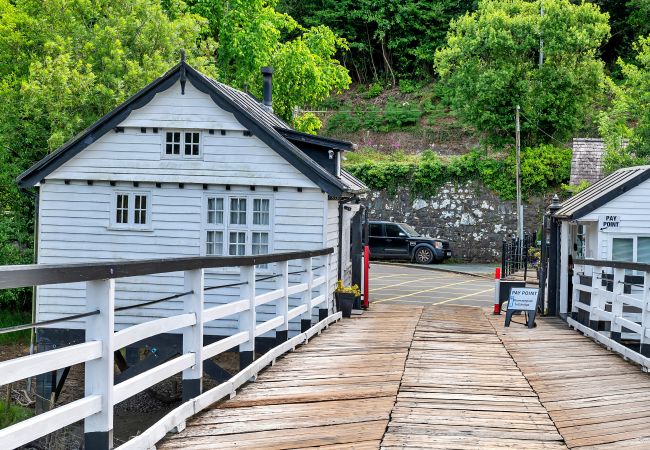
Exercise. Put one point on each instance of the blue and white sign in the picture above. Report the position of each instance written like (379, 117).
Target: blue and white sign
(523, 299)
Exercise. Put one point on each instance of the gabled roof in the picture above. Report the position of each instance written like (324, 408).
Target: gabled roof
(602, 192)
(255, 117)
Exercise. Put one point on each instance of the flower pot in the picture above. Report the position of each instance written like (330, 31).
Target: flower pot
(344, 302)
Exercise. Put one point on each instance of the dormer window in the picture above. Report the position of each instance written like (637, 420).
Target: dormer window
(182, 144)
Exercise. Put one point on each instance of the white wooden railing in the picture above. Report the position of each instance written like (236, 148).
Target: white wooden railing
(611, 303)
(97, 353)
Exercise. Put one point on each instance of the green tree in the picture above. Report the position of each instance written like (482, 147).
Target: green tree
(64, 64)
(251, 34)
(626, 125)
(392, 38)
(490, 64)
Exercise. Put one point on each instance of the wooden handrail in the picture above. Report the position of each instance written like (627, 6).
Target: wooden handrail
(98, 353)
(40, 274)
(614, 264)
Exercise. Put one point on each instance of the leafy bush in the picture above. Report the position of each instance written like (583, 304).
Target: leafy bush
(542, 168)
(15, 248)
(374, 90)
(10, 318)
(308, 123)
(407, 86)
(10, 414)
(399, 115)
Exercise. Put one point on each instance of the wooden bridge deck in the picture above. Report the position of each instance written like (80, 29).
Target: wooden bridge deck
(441, 377)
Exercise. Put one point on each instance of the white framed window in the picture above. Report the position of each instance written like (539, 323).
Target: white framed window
(237, 243)
(182, 144)
(214, 225)
(630, 248)
(238, 211)
(259, 242)
(214, 243)
(192, 143)
(131, 210)
(237, 224)
(261, 211)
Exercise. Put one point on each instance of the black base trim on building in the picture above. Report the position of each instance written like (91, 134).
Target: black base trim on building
(305, 324)
(322, 314)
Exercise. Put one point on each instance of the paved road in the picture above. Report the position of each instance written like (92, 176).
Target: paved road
(412, 285)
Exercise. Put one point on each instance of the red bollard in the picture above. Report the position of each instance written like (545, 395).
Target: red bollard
(497, 282)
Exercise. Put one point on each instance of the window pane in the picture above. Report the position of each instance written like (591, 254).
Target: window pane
(238, 211)
(260, 243)
(622, 249)
(261, 211)
(375, 229)
(393, 230)
(122, 208)
(643, 250)
(214, 243)
(192, 144)
(172, 142)
(140, 209)
(237, 244)
(215, 210)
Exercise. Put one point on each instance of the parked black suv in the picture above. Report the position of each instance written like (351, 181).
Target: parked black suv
(389, 240)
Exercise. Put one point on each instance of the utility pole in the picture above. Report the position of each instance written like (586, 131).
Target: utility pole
(520, 209)
(541, 40)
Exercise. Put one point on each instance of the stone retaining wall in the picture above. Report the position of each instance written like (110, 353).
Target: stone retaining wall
(469, 215)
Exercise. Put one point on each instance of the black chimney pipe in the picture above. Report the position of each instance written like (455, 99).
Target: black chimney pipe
(267, 73)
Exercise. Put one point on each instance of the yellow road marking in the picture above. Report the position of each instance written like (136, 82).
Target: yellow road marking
(463, 296)
(396, 284)
(425, 290)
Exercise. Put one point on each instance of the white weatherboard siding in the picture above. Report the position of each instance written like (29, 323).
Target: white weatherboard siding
(135, 156)
(75, 217)
(635, 217)
(74, 227)
(171, 109)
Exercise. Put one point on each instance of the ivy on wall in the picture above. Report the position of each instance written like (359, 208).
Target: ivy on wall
(542, 169)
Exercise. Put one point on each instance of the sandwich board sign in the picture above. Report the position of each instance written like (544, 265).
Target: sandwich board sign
(522, 299)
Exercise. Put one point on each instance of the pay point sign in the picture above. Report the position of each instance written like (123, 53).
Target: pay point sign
(522, 299)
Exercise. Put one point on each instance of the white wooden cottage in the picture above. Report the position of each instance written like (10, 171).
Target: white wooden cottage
(187, 167)
(609, 221)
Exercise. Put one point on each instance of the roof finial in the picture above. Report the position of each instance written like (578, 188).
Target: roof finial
(183, 74)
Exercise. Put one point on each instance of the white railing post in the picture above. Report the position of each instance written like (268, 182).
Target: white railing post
(645, 346)
(193, 336)
(575, 295)
(98, 428)
(324, 309)
(306, 277)
(248, 318)
(282, 305)
(594, 302)
(617, 304)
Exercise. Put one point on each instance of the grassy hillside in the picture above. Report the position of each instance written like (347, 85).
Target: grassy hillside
(408, 118)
